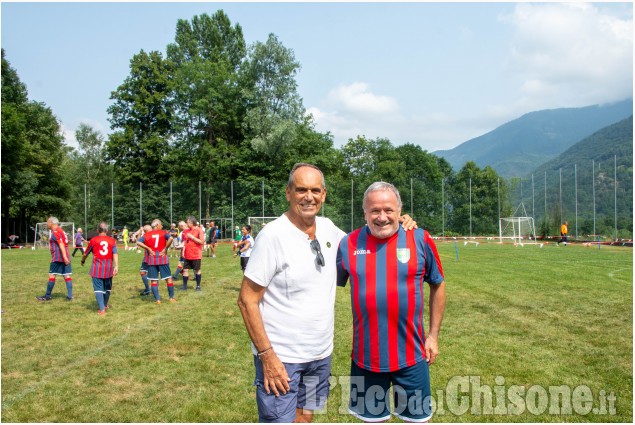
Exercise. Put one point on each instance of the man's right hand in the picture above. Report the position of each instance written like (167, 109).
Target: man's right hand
(276, 379)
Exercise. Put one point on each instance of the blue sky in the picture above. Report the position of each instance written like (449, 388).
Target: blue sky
(433, 74)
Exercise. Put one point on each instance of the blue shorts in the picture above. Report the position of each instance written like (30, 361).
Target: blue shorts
(102, 284)
(60, 268)
(144, 267)
(369, 398)
(308, 389)
(163, 270)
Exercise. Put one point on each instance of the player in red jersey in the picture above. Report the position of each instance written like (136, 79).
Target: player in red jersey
(60, 260)
(388, 267)
(193, 241)
(156, 244)
(105, 265)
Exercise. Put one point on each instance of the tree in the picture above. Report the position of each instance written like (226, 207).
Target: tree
(34, 158)
(476, 214)
(207, 54)
(274, 107)
(141, 116)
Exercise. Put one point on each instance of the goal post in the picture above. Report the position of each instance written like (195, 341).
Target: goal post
(257, 223)
(517, 229)
(43, 234)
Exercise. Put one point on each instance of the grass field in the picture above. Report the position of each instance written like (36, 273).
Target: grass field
(518, 321)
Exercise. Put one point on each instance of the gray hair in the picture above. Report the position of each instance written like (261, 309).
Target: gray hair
(300, 165)
(191, 219)
(53, 220)
(156, 222)
(381, 186)
(103, 227)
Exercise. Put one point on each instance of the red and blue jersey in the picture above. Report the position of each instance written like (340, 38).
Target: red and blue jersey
(156, 240)
(387, 295)
(57, 236)
(103, 247)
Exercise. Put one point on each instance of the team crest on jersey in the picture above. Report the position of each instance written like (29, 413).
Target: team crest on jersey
(403, 255)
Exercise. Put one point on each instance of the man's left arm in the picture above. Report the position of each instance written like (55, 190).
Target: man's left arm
(115, 261)
(437, 308)
(63, 251)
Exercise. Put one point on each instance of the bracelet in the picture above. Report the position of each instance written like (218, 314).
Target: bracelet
(260, 353)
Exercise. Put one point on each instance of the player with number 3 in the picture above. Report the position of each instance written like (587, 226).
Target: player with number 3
(105, 265)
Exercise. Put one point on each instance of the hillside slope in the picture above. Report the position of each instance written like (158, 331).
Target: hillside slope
(519, 146)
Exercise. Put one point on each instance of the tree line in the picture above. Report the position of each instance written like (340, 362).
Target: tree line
(215, 112)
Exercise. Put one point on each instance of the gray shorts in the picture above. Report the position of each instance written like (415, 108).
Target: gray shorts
(308, 389)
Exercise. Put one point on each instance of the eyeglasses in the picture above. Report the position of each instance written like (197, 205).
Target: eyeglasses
(315, 245)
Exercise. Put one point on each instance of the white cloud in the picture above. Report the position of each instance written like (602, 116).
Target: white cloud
(570, 54)
(358, 99)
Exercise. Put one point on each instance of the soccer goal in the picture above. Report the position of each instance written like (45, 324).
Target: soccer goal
(257, 223)
(42, 234)
(519, 230)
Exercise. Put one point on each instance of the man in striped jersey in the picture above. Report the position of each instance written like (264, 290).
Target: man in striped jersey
(387, 267)
(156, 244)
(60, 260)
(105, 265)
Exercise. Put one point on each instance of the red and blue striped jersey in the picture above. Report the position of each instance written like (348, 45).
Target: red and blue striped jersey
(156, 240)
(387, 295)
(103, 247)
(58, 235)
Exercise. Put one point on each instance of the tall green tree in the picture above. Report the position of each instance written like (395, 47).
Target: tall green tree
(274, 107)
(34, 158)
(207, 54)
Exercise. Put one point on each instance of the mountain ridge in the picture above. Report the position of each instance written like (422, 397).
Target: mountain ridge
(519, 146)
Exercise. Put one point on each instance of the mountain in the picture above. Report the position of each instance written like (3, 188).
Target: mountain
(517, 147)
(585, 176)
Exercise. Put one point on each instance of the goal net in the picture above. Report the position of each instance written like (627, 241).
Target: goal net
(42, 234)
(257, 223)
(519, 230)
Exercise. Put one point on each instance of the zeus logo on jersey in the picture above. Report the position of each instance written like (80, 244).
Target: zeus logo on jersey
(361, 252)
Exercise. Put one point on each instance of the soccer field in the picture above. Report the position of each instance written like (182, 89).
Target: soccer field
(529, 335)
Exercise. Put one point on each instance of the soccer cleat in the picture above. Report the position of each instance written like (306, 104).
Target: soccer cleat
(198, 289)
(43, 298)
(183, 288)
(144, 293)
(101, 312)
(69, 298)
(172, 300)
(157, 302)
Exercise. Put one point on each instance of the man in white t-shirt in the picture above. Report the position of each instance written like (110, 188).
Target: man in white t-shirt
(287, 301)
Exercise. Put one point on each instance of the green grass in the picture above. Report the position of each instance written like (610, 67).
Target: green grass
(556, 316)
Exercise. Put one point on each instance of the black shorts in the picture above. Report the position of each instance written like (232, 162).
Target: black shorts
(192, 264)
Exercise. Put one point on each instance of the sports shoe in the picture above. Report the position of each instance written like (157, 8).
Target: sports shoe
(157, 302)
(144, 293)
(107, 307)
(213, 256)
(43, 298)
(69, 298)
(172, 300)
(198, 289)
(183, 288)
(101, 312)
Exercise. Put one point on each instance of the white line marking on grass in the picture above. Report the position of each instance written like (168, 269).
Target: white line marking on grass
(612, 274)
(58, 373)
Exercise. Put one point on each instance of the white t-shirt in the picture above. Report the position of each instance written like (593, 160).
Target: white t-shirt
(247, 252)
(298, 307)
